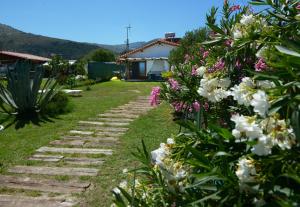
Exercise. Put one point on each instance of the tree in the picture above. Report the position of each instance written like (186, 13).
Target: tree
(100, 55)
(189, 45)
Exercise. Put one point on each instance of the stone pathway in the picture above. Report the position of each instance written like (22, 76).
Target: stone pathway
(80, 152)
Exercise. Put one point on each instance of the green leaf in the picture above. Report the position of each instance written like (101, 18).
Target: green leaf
(287, 51)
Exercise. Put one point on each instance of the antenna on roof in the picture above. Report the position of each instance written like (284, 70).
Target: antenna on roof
(127, 39)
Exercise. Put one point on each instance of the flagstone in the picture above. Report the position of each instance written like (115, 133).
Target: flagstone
(46, 158)
(26, 201)
(103, 123)
(44, 185)
(75, 150)
(83, 161)
(41, 170)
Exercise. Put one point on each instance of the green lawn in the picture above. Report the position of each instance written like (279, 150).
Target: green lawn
(15, 145)
(155, 127)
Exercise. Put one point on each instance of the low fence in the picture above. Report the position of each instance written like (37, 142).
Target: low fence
(102, 71)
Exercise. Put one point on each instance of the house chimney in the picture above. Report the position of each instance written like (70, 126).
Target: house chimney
(170, 35)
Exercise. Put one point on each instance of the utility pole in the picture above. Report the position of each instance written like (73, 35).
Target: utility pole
(127, 39)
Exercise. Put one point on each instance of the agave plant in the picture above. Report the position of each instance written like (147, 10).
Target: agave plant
(24, 92)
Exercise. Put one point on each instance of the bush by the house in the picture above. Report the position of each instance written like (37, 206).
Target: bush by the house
(238, 104)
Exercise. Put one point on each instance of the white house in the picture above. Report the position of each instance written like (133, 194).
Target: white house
(149, 60)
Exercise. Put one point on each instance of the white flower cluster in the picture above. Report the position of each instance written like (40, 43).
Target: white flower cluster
(268, 133)
(214, 88)
(246, 94)
(162, 152)
(172, 171)
(248, 23)
(246, 171)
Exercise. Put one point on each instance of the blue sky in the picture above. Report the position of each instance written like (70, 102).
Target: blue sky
(104, 21)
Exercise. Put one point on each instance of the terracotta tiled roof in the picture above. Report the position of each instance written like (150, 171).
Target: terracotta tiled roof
(25, 56)
(160, 41)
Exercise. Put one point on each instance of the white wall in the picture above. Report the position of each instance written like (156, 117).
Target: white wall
(157, 65)
(158, 50)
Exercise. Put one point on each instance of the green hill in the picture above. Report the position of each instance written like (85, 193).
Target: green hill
(12, 39)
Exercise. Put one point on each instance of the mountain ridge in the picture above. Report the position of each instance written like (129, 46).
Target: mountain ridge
(12, 39)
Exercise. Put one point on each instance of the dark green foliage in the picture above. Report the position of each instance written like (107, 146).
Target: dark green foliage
(189, 45)
(60, 104)
(100, 55)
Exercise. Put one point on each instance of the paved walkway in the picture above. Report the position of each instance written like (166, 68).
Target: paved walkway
(80, 152)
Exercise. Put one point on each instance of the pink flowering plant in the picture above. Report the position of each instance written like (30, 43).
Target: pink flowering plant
(237, 100)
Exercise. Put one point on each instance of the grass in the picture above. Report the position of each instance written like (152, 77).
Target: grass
(154, 128)
(16, 145)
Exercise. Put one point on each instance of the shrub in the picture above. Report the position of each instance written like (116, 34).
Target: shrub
(238, 105)
(60, 104)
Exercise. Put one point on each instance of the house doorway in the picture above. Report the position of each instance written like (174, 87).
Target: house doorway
(138, 70)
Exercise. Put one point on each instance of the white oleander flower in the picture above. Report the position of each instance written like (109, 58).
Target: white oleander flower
(260, 103)
(159, 154)
(263, 146)
(180, 174)
(237, 34)
(246, 171)
(201, 71)
(265, 84)
(242, 93)
(247, 19)
(170, 141)
(246, 126)
(123, 184)
(125, 170)
(214, 89)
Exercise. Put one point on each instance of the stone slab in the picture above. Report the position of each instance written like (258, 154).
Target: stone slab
(26, 201)
(46, 158)
(81, 132)
(75, 150)
(110, 134)
(68, 142)
(123, 111)
(123, 115)
(102, 128)
(91, 139)
(113, 119)
(40, 170)
(43, 185)
(83, 161)
(96, 123)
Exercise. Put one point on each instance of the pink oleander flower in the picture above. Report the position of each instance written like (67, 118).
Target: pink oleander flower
(174, 84)
(205, 54)
(238, 64)
(194, 71)
(196, 106)
(219, 65)
(178, 106)
(154, 97)
(234, 8)
(298, 6)
(228, 43)
(187, 58)
(260, 65)
(206, 106)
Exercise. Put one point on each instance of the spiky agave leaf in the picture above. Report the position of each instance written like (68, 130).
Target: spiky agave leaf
(24, 83)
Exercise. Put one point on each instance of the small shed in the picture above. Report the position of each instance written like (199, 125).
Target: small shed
(7, 57)
(150, 60)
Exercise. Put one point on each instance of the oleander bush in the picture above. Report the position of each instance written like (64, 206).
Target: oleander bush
(238, 105)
